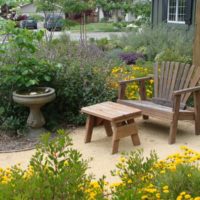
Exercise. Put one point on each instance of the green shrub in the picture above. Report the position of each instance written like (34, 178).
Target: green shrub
(81, 81)
(159, 39)
(21, 70)
(56, 171)
(176, 177)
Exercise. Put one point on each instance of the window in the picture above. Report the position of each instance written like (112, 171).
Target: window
(176, 11)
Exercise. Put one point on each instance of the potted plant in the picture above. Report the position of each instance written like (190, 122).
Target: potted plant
(27, 75)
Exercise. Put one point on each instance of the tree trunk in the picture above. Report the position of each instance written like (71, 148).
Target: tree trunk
(196, 45)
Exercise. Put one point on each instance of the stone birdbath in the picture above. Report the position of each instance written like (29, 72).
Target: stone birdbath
(35, 99)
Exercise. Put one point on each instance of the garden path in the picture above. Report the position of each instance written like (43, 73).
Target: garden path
(153, 135)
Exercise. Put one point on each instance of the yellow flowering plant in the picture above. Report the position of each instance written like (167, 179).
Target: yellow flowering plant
(129, 72)
(56, 171)
(175, 178)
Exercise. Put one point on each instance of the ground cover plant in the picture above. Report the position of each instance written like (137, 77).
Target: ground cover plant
(160, 43)
(58, 171)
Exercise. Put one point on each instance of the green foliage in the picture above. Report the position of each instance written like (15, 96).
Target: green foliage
(115, 5)
(13, 2)
(143, 9)
(159, 39)
(176, 177)
(56, 171)
(21, 69)
(82, 79)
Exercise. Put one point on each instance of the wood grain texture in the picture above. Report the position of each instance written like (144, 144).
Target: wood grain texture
(156, 79)
(197, 112)
(174, 122)
(196, 44)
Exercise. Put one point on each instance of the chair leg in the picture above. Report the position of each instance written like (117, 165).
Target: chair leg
(89, 128)
(145, 117)
(173, 131)
(197, 112)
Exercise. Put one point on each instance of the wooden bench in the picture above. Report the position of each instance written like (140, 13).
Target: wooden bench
(115, 115)
(173, 84)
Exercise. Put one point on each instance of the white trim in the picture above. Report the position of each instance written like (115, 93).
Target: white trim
(176, 16)
(175, 22)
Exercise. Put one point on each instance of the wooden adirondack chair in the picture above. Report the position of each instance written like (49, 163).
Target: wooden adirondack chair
(173, 84)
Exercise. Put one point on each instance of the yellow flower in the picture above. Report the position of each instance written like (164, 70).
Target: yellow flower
(158, 195)
(151, 81)
(179, 197)
(144, 197)
(166, 191)
(187, 196)
(165, 187)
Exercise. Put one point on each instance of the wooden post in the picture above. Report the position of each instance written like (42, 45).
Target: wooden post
(196, 46)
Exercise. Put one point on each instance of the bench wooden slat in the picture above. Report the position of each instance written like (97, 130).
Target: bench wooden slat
(165, 80)
(156, 80)
(111, 111)
(193, 82)
(169, 81)
(184, 76)
(161, 79)
(188, 79)
(179, 76)
(175, 71)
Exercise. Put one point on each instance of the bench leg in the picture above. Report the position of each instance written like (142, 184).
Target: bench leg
(173, 131)
(123, 129)
(115, 139)
(89, 128)
(135, 138)
(145, 117)
(108, 128)
(197, 112)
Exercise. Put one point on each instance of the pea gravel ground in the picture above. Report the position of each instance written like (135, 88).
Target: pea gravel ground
(153, 134)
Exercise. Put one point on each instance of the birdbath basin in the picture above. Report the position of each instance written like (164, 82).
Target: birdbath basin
(35, 99)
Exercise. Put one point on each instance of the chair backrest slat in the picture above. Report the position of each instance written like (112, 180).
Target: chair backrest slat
(193, 82)
(156, 80)
(188, 79)
(165, 78)
(175, 71)
(171, 76)
(184, 76)
(169, 81)
(179, 76)
(161, 79)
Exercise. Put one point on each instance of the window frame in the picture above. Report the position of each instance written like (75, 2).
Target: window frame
(176, 14)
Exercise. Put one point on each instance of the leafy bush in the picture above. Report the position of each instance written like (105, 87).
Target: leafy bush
(81, 80)
(56, 171)
(154, 41)
(21, 70)
(176, 177)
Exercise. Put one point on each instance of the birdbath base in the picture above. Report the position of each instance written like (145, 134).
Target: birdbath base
(32, 133)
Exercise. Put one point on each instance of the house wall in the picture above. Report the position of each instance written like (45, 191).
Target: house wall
(159, 14)
(29, 9)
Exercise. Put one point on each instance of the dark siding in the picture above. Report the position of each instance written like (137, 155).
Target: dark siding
(159, 15)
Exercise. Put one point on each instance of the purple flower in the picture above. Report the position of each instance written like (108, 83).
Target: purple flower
(131, 58)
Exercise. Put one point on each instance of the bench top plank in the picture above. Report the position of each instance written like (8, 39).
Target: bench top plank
(111, 111)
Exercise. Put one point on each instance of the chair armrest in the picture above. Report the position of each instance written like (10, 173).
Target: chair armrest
(136, 79)
(192, 89)
(122, 87)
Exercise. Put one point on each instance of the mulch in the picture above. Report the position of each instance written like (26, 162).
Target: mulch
(13, 143)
